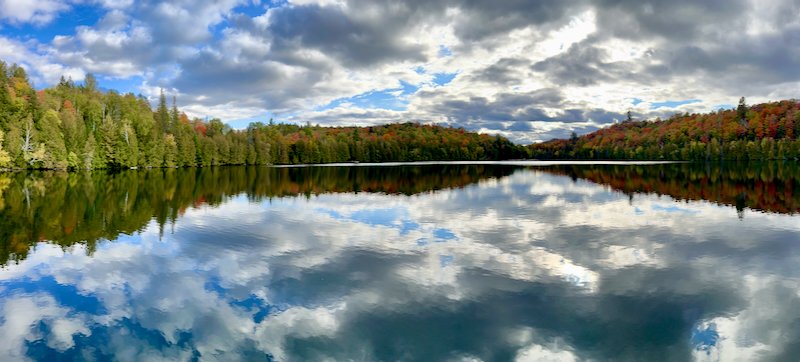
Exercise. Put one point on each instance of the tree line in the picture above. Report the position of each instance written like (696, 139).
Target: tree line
(760, 132)
(79, 126)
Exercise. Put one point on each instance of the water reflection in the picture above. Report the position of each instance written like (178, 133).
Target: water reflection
(526, 264)
(70, 208)
(763, 186)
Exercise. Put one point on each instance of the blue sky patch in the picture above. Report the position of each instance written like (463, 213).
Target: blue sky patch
(724, 106)
(704, 339)
(63, 24)
(391, 99)
(443, 78)
(64, 294)
(444, 234)
(674, 209)
(121, 85)
(445, 260)
(673, 104)
(444, 51)
(407, 226)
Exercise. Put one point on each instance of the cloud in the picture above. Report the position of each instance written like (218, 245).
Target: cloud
(289, 60)
(38, 12)
(493, 258)
(41, 69)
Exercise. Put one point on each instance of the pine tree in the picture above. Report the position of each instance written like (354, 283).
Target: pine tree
(174, 116)
(109, 151)
(170, 151)
(741, 111)
(162, 114)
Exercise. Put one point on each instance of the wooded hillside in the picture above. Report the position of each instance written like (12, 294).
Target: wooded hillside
(72, 126)
(759, 132)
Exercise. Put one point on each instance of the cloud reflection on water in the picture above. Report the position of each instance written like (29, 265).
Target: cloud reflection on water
(531, 266)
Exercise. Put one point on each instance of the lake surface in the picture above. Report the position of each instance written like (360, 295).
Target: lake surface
(489, 262)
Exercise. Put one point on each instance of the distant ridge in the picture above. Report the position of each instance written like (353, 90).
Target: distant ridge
(759, 132)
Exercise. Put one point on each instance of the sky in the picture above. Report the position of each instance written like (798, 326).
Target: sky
(530, 70)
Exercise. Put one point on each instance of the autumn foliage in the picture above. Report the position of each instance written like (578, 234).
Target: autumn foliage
(77, 126)
(762, 186)
(760, 132)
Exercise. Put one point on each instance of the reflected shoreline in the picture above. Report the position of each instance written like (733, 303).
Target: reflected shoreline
(81, 208)
(68, 208)
(760, 186)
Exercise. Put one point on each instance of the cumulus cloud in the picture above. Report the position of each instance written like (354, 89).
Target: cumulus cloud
(37, 12)
(292, 60)
(493, 256)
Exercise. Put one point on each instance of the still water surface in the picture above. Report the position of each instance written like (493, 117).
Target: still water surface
(437, 262)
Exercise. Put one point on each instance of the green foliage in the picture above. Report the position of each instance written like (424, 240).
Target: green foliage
(69, 208)
(76, 127)
(5, 159)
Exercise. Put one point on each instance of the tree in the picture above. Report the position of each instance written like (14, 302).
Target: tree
(50, 134)
(174, 115)
(110, 153)
(741, 111)
(170, 150)
(162, 114)
(5, 159)
(90, 83)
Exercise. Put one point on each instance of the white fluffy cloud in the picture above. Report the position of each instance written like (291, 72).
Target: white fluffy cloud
(31, 11)
(240, 59)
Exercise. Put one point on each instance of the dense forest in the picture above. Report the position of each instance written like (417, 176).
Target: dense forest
(68, 208)
(78, 126)
(758, 132)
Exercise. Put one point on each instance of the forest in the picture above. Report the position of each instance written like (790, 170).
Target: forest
(760, 132)
(80, 126)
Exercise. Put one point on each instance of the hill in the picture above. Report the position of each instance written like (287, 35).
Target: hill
(79, 126)
(758, 132)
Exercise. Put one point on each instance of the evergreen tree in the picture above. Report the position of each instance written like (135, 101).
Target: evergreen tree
(52, 137)
(741, 111)
(162, 114)
(174, 115)
(170, 151)
(109, 151)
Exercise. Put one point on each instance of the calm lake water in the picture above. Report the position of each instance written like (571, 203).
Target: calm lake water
(417, 263)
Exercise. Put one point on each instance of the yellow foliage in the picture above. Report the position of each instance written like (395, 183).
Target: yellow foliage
(5, 159)
(4, 182)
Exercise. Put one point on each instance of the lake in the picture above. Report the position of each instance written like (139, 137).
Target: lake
(493, 261)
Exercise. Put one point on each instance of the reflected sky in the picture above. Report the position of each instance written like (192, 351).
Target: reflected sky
(532, 266)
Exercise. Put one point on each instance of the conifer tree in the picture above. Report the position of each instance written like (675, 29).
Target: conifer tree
(162, 114)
